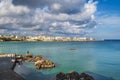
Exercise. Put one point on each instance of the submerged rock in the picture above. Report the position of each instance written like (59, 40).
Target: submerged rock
(72, 49)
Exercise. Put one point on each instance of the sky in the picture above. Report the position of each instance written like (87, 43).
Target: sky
(81, 18)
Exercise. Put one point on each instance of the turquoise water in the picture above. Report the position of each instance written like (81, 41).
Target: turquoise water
(98, 57)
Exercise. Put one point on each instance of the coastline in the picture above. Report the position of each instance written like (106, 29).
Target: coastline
(43, 38)
(57, 41)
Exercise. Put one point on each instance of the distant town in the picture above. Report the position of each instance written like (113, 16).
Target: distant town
(42, 38)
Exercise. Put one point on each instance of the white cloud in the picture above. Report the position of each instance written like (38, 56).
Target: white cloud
(56, 7)
(45, 20)
(7, 8)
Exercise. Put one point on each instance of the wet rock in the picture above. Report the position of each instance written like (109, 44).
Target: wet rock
(36, 58)
(44, 64)
(84, 76)
(61, 76)
(30, 59)
(72, 49)
(73, 76)
(27, 56)
(39, 62)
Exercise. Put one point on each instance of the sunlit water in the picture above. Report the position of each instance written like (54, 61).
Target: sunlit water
(98, 57)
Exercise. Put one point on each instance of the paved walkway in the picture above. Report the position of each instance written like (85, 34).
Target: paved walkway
(5, 70)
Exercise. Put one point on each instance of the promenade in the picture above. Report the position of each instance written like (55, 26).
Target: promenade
(5, 70)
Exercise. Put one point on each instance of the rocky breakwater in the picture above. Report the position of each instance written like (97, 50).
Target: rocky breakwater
(73, 76)
(39, 61)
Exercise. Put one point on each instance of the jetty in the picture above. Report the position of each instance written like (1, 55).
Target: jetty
(6, 72)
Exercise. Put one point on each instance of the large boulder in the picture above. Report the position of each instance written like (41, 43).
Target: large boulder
(73, 76)
(44, 64)
(84, 76)
(39, 62)
(37, 58)
(61, 76)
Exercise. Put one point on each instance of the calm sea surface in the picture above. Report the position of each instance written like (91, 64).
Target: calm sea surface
(98, 57)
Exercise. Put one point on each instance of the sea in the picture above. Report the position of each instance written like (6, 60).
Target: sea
(98, 58)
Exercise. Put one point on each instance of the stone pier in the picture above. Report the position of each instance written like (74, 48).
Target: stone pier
(6, 73)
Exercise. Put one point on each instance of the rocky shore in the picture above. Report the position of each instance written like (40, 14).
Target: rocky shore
(73, 76)
(39, 61)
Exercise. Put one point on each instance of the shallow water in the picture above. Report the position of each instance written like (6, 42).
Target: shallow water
(98, 57)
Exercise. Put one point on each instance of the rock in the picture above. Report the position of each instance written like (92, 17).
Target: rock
(39, 62)
(44, 64)
(30, 59)
(61, 76)
(84, 76)
(36, 58)
(73, 76)
(29, 55)
(72, 49)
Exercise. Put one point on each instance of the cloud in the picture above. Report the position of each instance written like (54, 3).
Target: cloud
(8, 9)
(68, 6)
(55, 17)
